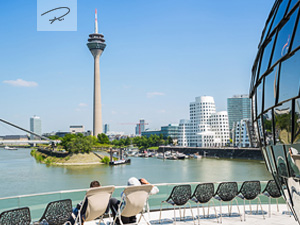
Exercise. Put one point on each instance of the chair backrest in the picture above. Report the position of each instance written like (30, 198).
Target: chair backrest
(204, 192)
(16, 216)
(250, 189)
(272, 189)
(227, 191)
(180, 194)
(135, 199)
(98, 199)
(57, 212)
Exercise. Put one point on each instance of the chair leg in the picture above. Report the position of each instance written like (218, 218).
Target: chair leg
(250, 206)
(174, 216)
(192, 212)
(215, 211)
(179, 213)
(198, 214)
(221, 210)
(277, 204)
(237, 205)
(244, 209)
(160, 212)
(202, 206)
(269, 206)
(262, 212)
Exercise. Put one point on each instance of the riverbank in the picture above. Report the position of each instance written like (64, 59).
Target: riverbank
(80, 159)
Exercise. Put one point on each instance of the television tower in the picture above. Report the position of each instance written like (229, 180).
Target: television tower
(96, 45)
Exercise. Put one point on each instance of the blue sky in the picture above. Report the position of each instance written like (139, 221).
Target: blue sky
(160, 55)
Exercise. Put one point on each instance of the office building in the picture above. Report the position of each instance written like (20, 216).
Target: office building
(166, 131)
(240, 137)
(36, 127)
(274, 90)
(184, 133)
(140, 127)
(74, 129)
(238, 108)
(96, 45)
(206, 127)
(106, 128)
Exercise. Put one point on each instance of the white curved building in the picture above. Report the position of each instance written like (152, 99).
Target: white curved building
(207, 127)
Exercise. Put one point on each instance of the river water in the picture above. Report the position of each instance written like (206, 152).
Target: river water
(21, 174)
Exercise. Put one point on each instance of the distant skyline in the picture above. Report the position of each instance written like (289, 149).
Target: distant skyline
(160, 55)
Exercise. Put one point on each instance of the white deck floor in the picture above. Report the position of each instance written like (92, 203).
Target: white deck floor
(283, 217)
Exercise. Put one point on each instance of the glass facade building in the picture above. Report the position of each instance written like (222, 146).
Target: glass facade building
(274, 91)
(238, 108)
(36, 127)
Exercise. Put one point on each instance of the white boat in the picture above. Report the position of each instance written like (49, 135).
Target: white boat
(10, 148)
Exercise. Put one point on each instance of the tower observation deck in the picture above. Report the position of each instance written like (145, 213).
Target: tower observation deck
(96, 45)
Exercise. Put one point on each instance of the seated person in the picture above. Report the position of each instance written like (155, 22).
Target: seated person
(74, 214)
(114, 203)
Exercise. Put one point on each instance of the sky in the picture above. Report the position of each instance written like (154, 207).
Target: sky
(160, 55)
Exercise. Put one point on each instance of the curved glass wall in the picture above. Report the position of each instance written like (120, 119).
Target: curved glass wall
(275, 90)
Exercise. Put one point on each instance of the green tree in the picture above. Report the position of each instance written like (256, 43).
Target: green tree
(103, 139)
(77, 143)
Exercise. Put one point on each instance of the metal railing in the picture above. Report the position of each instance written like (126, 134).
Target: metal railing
(37, 202)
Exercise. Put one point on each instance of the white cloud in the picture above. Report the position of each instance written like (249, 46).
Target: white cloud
(153, 94)
(82, 105)
(113, 112)
(161, 111)
(21, 83)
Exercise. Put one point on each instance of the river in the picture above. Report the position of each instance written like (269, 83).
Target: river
(21, 174)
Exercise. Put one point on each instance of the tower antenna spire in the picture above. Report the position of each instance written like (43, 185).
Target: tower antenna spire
(96, 22)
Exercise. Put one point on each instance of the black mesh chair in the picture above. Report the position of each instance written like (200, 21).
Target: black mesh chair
(179, 196)
(271, 191)
(250, 190)
(16, 216)
(226, 192)
(203, 194)
(57, 212)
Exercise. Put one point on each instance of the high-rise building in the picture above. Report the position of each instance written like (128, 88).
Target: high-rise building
(96, 45)
(36, 127)
(274, 90)
(106, 128)
(206, 127)
(238, 108)
(185, 133)
(140, 127)
(240, 137)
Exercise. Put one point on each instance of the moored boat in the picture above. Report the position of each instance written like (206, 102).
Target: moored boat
(10, 148)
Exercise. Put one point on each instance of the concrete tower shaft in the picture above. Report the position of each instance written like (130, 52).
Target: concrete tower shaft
(96, 45)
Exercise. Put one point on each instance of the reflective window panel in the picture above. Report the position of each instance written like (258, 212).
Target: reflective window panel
(270, 88)
(268, 25)
(283, 123)
(264, 65)
(284, 38)
(289, 78)
(280, 158)
(293, 2)
(259, 95)
(280, 13)
(268, 127)
(296, 41)
(271, 159)
(260, 131)
(264, 152)
(253, 102)
(293, 157)
(297, 121)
